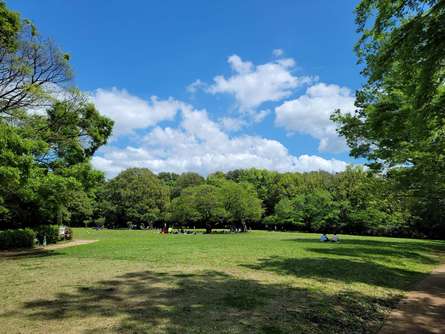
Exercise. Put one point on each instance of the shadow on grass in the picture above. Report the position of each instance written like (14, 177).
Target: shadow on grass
(32, 253)
(340, 270)
(374, 243)
(393, 254)
(209, 302)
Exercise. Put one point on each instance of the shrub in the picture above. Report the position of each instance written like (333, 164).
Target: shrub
(50, 231)
(20, 238)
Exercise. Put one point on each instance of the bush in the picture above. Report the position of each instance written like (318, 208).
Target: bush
(20, 238)
(50, 231)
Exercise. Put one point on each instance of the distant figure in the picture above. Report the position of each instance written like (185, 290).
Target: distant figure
(170, 230)
(324, 237)
(164, 230)
(335, 238)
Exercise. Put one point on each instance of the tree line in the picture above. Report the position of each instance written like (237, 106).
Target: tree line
(354, 201)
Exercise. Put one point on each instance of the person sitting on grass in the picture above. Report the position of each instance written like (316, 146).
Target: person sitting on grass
(324, 237)
(335, 238)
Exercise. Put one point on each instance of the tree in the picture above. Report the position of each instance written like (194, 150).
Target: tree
(72, 129)
(312, 211)
(33, 71)
(83, 202)
(17, 167)
(135, 195)
(45, 175)
(203, 203)
(368, 203)
(265, 183)
(242, 203)
(399, 125)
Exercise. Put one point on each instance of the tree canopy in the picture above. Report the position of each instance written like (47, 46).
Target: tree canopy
(48, 131)
(136, 195)
(399, 123)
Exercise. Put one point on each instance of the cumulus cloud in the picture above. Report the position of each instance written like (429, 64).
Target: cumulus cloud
(253, 85)
(131, 112)
(199, 144)
(309, 114)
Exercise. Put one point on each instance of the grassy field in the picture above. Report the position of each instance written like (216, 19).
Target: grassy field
(258, 282)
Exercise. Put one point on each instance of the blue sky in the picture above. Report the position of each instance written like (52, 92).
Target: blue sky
(211, 85)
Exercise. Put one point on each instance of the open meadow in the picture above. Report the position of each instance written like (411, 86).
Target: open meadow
(256, 282)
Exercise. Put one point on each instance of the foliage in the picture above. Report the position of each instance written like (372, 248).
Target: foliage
(202, 204)
(135, 195)
(186, 180)
(264, 182)
(313, 211)
(241, 202)
(48, 132)
(50, 232)
(9, 28)
(18, 238)
(169, 179)
(399, 124)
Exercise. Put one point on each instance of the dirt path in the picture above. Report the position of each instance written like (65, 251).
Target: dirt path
(69, 244)
(423, 309)
(44, 249)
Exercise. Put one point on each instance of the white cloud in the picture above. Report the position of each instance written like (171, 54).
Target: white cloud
(253, 85)
(232, 123)
(199, 144)
(131, 112)
(195, 86)
(309, 114)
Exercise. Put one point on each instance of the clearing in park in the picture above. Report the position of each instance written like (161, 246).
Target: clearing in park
(256, 282)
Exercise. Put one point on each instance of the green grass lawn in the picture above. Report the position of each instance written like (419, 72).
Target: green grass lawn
(258, 282)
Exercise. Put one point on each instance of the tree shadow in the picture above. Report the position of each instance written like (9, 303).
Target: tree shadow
(342, 270)
(208, 302)
(33, 253)
(394, 254)
(373, 243)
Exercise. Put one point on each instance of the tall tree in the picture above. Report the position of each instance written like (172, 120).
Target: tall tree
(136, 195)
(42, 151)
(242, 203)
(399, 124)
(203, 203)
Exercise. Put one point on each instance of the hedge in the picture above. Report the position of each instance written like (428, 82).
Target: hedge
(20, 238)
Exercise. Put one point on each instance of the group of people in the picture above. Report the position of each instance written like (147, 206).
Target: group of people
(170, 230)
(324, 238)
